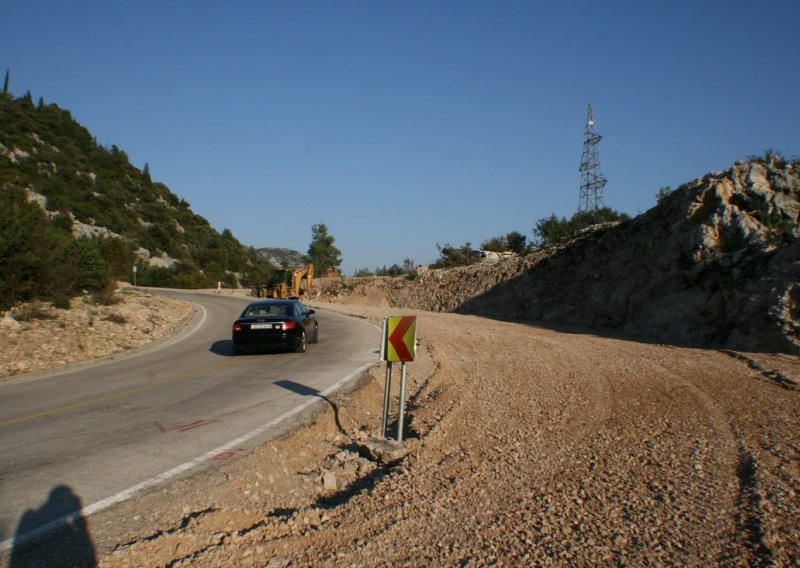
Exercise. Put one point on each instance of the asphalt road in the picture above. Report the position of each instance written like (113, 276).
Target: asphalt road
(91, 437)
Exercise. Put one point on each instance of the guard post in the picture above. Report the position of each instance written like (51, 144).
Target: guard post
(398, 345)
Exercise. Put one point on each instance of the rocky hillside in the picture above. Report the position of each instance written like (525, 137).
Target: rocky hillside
(58, 184)
(282, 257)
(716, 262)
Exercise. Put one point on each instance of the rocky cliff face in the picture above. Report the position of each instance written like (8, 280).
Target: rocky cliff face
(282, 257)
(717, 262)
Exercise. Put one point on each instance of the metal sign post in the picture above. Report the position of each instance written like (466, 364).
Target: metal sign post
(387, 387)
(135, 270)
(398, 344)
(402, 411)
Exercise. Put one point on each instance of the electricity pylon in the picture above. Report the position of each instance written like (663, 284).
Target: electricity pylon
(592, 180)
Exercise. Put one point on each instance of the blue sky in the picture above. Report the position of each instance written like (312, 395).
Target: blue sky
(403, 125)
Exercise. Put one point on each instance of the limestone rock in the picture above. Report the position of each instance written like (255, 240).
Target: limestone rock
(382, 450)
(329, 480)
(9, 322)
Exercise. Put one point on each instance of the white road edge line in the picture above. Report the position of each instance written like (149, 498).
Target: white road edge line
(167, 475)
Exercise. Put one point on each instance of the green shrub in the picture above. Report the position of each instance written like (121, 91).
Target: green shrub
(106, 297)
(91, 269)
(116, 318)
(29, 312)
(450, 256)
(62, 302)
(510, 242)
(779, 228)
(553, 230)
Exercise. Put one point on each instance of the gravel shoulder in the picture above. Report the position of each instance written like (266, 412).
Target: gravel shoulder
(39, 338)
(524, 445)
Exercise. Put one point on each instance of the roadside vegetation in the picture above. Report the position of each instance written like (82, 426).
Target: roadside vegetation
(553, 230)
(408, 269)
(54, 176)
(549, 231)
(321, 251)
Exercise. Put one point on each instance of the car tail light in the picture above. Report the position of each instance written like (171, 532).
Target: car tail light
(237, 327)
(287, 325)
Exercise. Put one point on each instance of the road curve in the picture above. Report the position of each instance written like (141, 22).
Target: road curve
(107, 431)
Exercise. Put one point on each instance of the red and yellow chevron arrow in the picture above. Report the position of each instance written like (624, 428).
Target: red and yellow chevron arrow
(401, 338)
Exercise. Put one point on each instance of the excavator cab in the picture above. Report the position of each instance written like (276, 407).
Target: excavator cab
(292, 283)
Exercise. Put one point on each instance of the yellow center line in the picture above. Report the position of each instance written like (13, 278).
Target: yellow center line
(167, 380)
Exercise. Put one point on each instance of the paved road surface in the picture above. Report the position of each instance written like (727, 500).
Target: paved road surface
(90, 435)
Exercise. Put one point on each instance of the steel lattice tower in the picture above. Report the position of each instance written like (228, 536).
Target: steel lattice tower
(592, 180)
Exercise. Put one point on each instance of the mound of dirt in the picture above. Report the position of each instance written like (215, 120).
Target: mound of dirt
(716, 263)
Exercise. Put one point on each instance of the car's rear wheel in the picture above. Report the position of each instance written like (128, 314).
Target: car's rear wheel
(237, 350)
(301, 346)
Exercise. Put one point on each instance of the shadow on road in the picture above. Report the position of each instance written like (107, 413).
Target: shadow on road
(60, 533)
(222, 347)
(309, 391)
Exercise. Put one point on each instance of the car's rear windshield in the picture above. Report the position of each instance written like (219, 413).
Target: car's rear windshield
(268, 310)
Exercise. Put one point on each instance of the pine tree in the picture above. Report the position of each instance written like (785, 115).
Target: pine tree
(321, 250)
(5, 84)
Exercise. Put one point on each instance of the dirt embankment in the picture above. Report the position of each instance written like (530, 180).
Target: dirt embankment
(525, 446)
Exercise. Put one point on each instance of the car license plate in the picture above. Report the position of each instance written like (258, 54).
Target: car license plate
(262, 326)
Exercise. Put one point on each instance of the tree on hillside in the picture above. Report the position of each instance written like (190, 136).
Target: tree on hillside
(5, 85)
(90, 268)
(583, 219)
(118, 256)
(663, 193)
(321, 251)
(552, 230)
(511, 242)
(38, 259)
(450, 256)
(393, 270)
(517, 242)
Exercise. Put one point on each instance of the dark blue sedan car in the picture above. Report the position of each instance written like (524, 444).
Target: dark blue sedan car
(275, 324)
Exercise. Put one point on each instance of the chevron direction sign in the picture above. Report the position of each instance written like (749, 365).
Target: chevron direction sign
(400, 333)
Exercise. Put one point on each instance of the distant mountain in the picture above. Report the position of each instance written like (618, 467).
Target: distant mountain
(282, 257)
(69, 206)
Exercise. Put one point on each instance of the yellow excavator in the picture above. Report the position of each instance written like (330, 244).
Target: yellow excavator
(292, 283)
